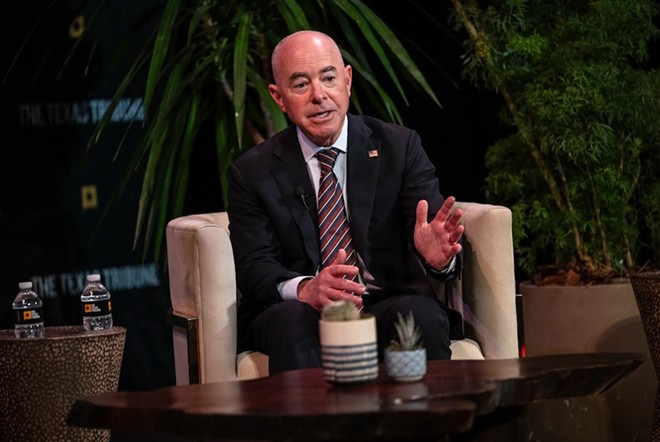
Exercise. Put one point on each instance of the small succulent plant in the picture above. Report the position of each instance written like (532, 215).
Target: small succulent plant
(340, 311)
(409, 336)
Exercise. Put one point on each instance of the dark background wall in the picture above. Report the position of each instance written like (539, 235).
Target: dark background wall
(455, 136)
(53, 190)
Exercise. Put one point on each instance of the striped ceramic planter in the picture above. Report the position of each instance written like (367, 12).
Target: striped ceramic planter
(349, 351)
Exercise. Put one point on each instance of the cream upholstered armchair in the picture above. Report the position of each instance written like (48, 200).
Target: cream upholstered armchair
(204, 297)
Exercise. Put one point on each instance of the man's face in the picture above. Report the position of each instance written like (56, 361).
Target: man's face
(313, 87)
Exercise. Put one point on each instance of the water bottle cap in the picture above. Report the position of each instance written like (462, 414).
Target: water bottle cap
(94, 277)
(25, 285)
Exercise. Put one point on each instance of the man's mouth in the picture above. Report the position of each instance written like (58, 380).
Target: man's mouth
(321, 115)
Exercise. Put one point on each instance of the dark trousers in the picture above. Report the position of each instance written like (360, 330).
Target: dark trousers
(288, 332)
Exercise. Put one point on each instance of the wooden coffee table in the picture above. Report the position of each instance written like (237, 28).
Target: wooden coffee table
(455, 400)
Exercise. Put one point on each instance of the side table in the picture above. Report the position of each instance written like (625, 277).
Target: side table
(43, 377)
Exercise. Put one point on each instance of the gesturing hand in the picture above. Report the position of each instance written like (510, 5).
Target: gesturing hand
(332, 283)
(437, 241)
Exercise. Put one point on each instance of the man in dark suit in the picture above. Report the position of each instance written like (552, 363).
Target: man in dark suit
(402, 228)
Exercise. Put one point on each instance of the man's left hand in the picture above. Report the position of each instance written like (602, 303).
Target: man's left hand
(438, 241)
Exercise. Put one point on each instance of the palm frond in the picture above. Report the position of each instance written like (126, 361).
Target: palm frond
(207, 63)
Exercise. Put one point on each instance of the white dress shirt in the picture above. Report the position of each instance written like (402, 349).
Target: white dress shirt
(288, 289)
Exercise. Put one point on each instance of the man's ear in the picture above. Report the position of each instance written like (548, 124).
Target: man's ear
(277, 97)
(349, 77)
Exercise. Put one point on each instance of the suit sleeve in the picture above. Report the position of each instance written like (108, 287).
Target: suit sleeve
(257, 251)
(421, 182)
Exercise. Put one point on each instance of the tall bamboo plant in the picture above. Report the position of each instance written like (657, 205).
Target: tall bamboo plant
(580, 166)
(208, 63)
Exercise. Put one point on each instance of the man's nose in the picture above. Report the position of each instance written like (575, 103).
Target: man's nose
(318, 92)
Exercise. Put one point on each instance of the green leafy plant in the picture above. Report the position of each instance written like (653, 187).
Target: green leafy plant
(408, 335)
(579, 167)
(207, 67)
(340, 311)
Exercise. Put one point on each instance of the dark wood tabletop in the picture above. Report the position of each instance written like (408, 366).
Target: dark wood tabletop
(301, 405)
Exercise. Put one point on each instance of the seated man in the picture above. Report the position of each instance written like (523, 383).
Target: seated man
(337, 206)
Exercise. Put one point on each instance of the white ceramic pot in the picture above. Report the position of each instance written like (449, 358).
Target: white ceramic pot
(406, 366)
(349, 350)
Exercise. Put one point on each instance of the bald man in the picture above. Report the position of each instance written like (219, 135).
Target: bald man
(401, 230)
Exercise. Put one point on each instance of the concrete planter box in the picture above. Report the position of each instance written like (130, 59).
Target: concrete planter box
(598, 318)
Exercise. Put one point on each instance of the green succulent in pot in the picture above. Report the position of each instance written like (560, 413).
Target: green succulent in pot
(349, 344)
(405, 357)
(340, 311)
(408, 335)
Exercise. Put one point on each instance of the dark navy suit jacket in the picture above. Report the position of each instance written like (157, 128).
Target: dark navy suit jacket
(275, 235)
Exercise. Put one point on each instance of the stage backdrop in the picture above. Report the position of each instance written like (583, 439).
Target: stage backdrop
(53, 192)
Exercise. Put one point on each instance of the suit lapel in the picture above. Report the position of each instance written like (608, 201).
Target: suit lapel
(362, 176)
(290, 173)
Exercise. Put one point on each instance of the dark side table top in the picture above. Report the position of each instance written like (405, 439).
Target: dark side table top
(60, 332)
(301, 405)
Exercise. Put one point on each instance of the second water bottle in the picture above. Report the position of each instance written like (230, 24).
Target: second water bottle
(96, 305)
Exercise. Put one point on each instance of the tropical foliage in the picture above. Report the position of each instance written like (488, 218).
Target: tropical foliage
(207, 65)
(580, 166)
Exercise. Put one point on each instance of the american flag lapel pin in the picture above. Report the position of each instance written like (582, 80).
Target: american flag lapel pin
(373, 153)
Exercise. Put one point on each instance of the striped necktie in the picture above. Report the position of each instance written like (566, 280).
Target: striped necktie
(333, 224)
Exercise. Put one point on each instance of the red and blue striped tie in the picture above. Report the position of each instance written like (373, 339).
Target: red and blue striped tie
(334, 231)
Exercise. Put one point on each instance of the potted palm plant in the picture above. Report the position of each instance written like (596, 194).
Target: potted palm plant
(578, 169)
(205, 70)
(405, 358)
(349, 346)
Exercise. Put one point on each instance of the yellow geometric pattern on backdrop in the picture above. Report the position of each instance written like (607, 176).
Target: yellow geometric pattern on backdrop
(89, 197)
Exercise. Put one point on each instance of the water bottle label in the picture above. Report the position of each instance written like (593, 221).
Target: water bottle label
(97, 308)
(29, 316)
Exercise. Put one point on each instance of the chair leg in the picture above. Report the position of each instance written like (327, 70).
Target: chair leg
(189, 326)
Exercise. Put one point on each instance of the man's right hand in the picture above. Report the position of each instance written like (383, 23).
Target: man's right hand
(333, 283)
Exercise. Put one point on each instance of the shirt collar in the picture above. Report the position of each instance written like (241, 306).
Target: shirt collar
(309, 149)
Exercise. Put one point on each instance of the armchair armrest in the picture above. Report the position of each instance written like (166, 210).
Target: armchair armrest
(203, 285)
(486, 292)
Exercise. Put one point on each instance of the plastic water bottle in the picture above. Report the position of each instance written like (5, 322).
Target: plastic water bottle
(28, 313)
(96, 305)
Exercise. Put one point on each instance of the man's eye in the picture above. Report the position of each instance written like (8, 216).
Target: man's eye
(300, 85)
